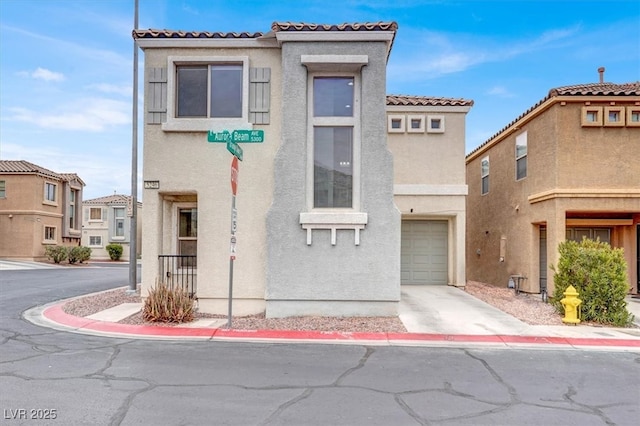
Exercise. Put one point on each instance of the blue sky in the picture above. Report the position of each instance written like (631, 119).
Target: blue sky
(66, 65)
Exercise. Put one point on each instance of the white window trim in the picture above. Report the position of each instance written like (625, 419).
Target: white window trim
(101, 215)
(56, 195)
(410, 119)
(95, 245)
(393, 117)
(483, 175)
(175, 219)
(521, 140)
(334, 218)
(115, 228)
(430, 119)
(174, 124)
(44, 234)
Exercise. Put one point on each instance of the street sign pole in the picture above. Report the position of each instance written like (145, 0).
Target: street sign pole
(234, 227)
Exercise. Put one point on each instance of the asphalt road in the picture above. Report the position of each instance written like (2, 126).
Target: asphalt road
(53, 377)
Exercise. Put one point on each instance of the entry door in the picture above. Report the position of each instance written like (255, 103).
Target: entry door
(424, 252)
(188, 234)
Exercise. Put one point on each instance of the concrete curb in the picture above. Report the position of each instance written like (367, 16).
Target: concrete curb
(53, 316)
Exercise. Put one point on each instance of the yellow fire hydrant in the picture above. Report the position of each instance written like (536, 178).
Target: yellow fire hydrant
(570, 303)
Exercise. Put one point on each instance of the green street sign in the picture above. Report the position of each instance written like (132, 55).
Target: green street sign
(235, 149)
(238, 136)
(218, 136)
(248, 136)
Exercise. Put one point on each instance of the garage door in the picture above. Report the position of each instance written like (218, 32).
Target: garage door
(424, 252)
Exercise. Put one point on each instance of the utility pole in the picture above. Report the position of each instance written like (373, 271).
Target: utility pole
(133, 234)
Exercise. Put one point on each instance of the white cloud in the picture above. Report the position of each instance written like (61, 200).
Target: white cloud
(112, 88)
(91, 114)
(443, 53)
(500, 91)
(47, 75)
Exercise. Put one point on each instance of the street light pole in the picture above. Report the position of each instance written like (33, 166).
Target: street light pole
(133, 233)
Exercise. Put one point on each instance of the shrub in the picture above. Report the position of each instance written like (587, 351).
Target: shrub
(599, 274)
(79, 254)
(85, 254)
(166, 304)
(114, 250)
(56, 253)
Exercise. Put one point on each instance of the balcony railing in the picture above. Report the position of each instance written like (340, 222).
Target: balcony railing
(178, 271)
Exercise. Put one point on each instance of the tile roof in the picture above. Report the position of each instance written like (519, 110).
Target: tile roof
(603, 89)
(405, 100)
(275, 27)
(589, 89)
(117, 199)
(25, 167)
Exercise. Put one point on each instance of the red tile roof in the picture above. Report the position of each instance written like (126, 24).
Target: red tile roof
(275, 27)
(604, 89)
(405, 100)
(115, 199)
(25, 167)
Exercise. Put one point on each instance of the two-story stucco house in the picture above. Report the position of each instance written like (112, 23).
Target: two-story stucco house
(38, 207)
(567, 168)
(316, 228)
(107, 220)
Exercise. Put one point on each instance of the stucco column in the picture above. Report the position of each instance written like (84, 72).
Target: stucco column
(556, 233)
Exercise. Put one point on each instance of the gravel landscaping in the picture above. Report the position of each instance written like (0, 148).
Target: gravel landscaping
(526, 307)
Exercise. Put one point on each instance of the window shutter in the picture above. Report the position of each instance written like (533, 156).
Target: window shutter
(157, 95)
(259, 95)
(86, 214)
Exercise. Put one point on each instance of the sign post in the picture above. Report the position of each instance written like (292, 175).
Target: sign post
(233, 138)
(234, 227)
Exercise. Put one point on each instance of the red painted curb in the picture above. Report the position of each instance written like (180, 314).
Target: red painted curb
(57, 315)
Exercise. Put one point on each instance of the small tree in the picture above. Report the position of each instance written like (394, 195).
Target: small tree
(56, 253)
(599, 273)
(114, 250)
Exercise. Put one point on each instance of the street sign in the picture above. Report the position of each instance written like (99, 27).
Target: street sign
(235, 149)
(238, 136)
(234, 176)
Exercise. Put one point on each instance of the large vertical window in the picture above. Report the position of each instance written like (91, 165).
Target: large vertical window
(118, 214)
(73, 194)
(484, 174)
(188, 234)
(50, 192)
(3, 189)
(521, 156)
(209, 90)
(333, 147)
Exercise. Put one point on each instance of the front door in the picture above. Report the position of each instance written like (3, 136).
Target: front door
(188, 234)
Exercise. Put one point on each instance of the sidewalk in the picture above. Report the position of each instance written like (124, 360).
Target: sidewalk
(433, 316)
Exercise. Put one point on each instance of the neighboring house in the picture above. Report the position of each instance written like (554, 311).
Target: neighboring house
(567, 168)
(38, 207)
(107, 220)
(316, 229)
(427, 139)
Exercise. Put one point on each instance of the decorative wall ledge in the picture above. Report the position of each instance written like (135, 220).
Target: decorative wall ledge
(333, 221)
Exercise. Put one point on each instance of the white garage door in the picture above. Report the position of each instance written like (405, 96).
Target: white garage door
(424, 252)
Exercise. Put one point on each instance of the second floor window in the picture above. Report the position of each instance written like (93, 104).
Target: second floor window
(333, 119)
(3, 189)
(521, 156)
(95, 213)
(484, 174)
(72, 209)
(205, 91)
(119, 221)
(50, 192)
